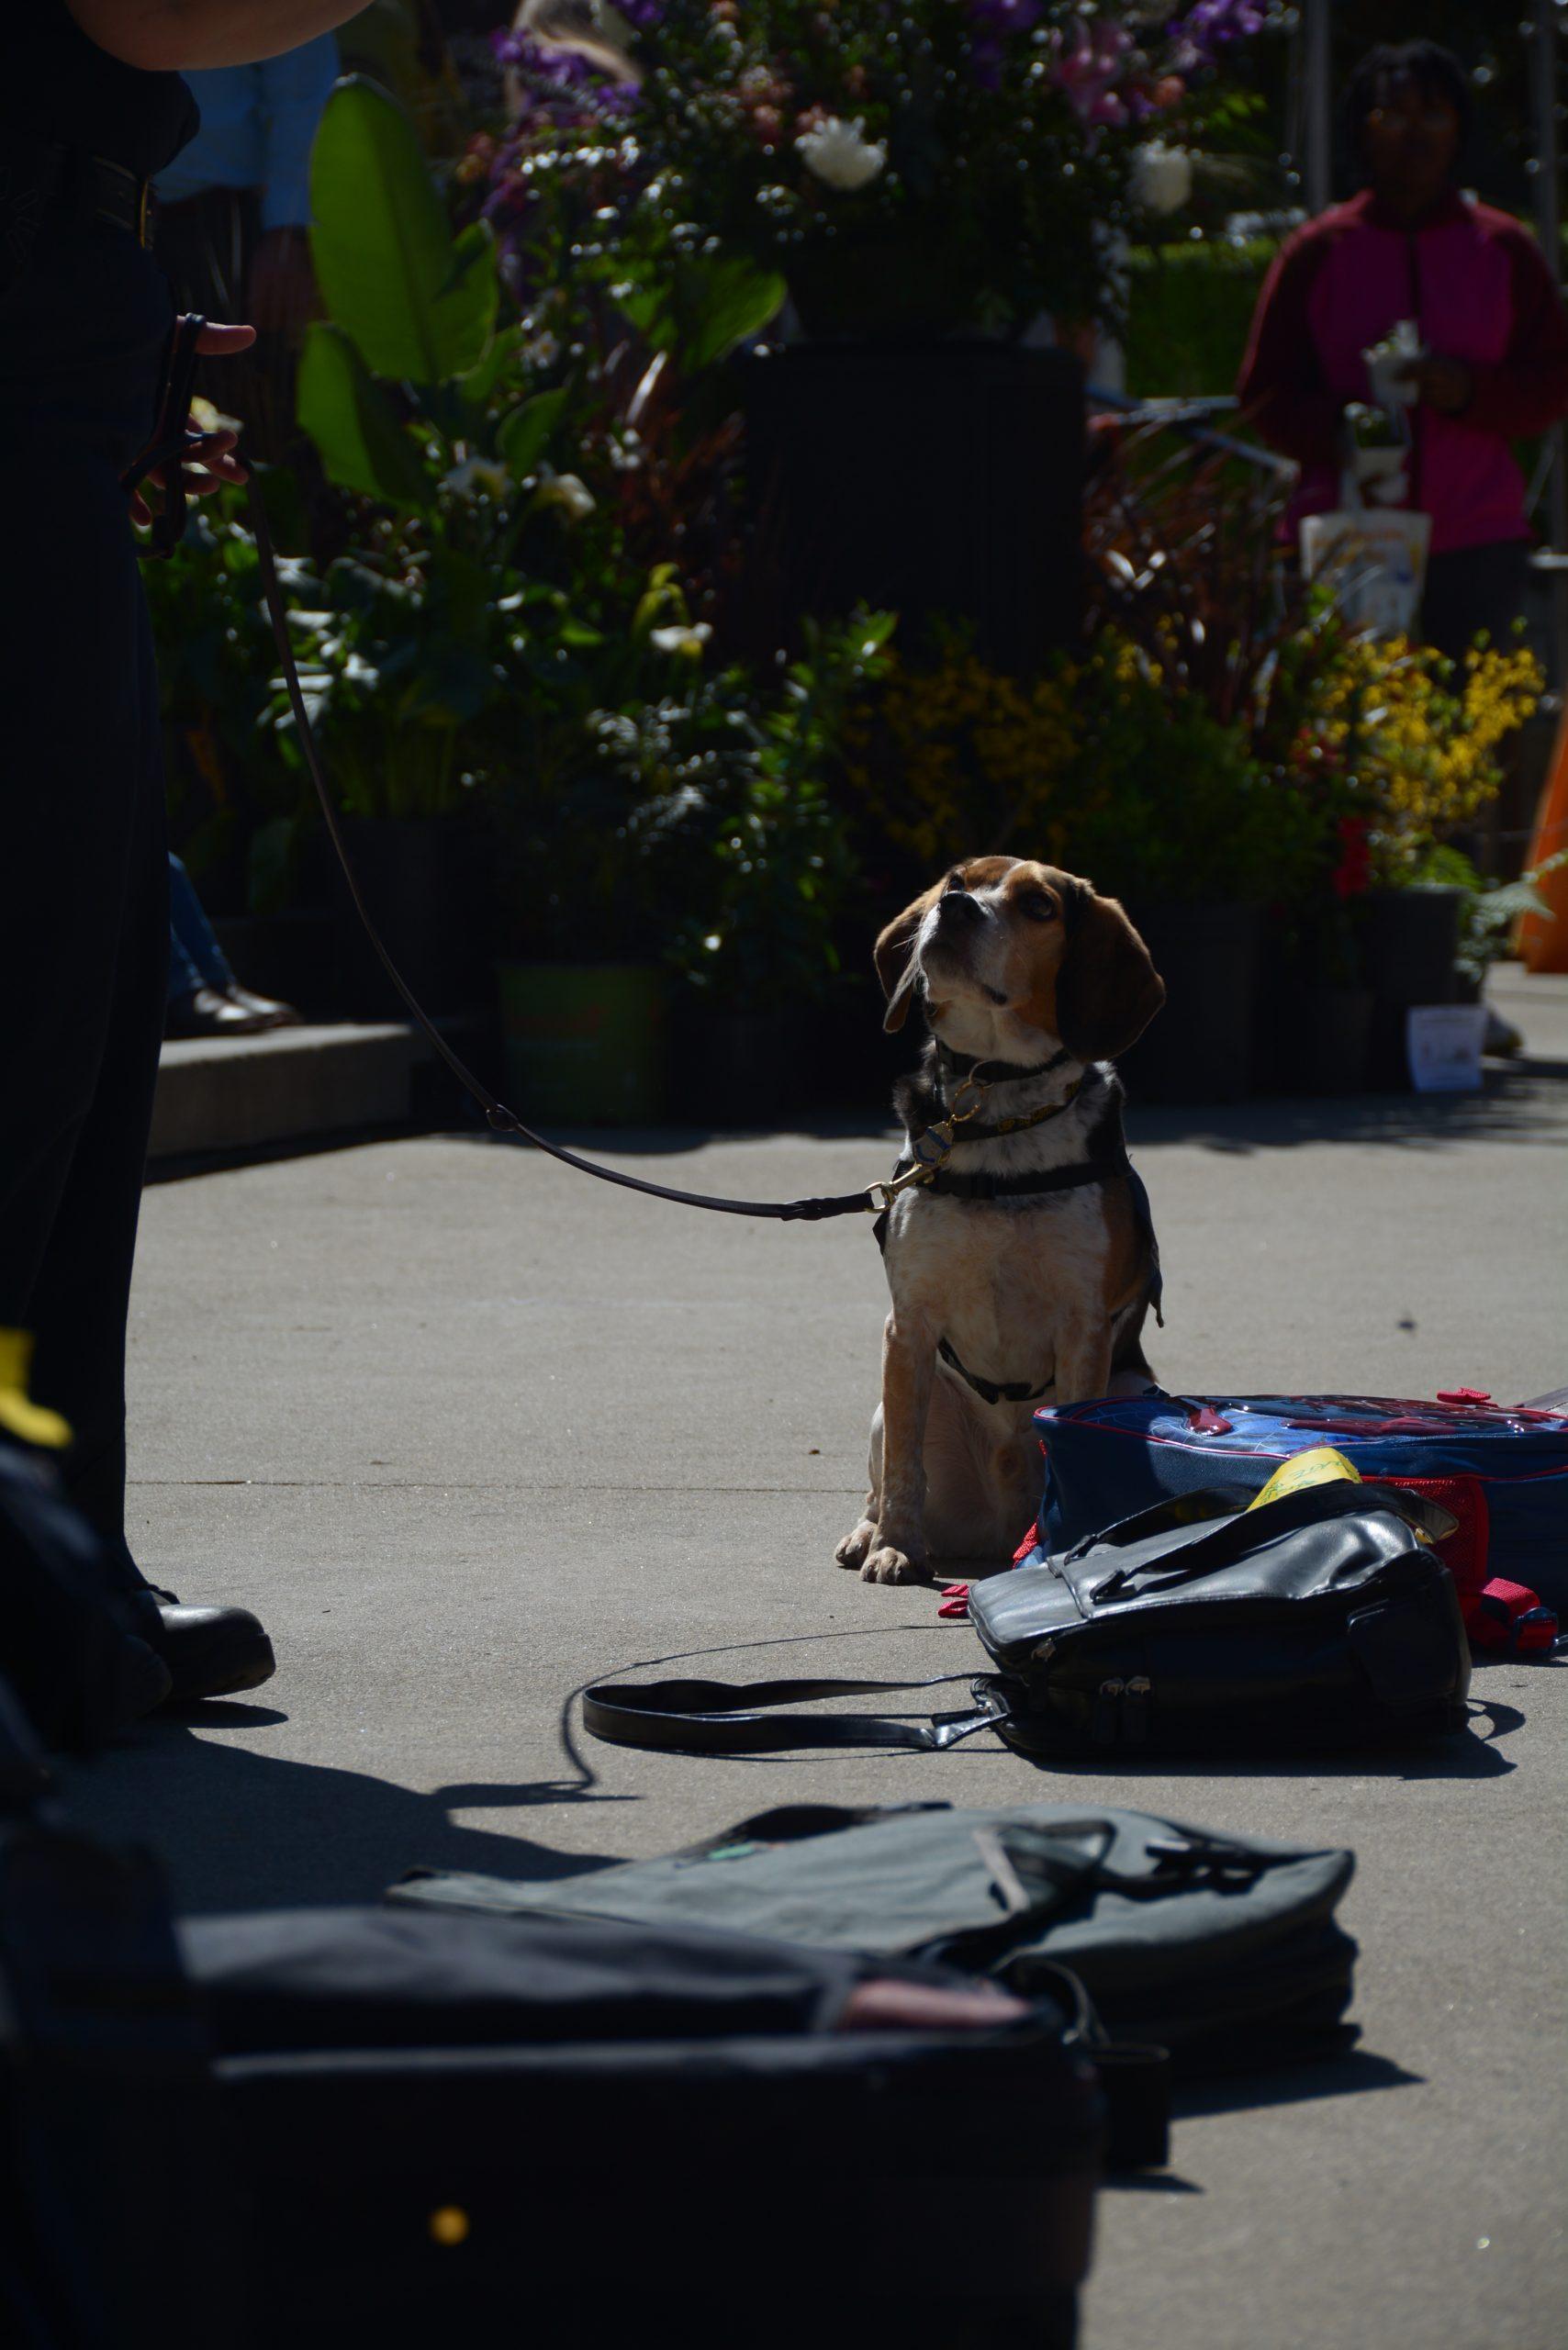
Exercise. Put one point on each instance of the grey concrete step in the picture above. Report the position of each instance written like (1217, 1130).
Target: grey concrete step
(242, 1092)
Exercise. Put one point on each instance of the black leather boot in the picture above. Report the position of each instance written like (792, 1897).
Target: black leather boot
(211, 1651)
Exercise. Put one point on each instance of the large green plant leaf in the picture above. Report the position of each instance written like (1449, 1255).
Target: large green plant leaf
(701, 309)
(418, 305)
(364, 445)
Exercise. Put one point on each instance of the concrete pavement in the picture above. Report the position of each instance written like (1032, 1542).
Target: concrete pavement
(468, 1430)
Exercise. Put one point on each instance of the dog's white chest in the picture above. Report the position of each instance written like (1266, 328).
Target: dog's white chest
(996, 1280)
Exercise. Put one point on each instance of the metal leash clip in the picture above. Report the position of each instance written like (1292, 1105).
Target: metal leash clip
(929, 1162)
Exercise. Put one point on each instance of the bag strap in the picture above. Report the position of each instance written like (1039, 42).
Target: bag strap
(733, 1717)
(1249, 1530)
(1169, 1516)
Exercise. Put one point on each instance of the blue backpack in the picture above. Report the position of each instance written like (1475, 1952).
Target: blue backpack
(1501, 1472)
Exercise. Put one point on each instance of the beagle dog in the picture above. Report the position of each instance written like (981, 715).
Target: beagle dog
(1018, 1240)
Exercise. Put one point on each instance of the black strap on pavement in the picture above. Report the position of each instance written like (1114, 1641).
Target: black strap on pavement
(733, 1717)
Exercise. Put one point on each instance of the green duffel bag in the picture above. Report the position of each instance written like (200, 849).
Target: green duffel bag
(1222, 1949)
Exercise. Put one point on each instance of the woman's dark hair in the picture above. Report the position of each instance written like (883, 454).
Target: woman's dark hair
(1433, 69)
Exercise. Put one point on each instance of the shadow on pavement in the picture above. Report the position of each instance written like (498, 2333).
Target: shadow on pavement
(1524, 1104)
(1150, 2182)
(241, 1831)
(1352, 2074)
(1467, 1754)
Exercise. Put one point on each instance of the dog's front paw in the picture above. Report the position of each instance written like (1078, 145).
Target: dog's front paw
(887, 1565)
(852, 1551)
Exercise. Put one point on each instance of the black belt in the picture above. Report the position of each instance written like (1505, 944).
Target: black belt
(100, 190)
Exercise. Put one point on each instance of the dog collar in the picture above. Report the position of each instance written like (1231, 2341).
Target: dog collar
(973, 1131)
(952, 1063)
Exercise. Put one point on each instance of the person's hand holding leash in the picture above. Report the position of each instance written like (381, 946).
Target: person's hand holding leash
(208, 461)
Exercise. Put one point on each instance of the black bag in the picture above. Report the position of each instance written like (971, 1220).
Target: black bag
(1319, 1619)
(335, 2126)
(444, 2124)
(1222, 1949)
(71, 1630)
(1322, 1618)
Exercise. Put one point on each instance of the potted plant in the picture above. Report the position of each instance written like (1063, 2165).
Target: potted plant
(1415, 740)
(704, 823)
(1207, 656)
(924, 183)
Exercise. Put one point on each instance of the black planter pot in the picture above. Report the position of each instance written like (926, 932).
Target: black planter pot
(1324, 1041)
(1309, 1036)
(935, 480)
(1409, 940)
(737, 1068)
(1199, 1049)
(423, 882)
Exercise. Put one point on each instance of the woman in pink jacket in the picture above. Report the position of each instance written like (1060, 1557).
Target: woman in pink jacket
(1493, 328)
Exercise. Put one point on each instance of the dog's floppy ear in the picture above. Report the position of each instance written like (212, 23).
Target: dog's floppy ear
(895, 957)
(1107, 989)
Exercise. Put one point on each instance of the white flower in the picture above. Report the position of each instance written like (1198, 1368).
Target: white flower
(840, 153)
(687, 639)
(475, 474)
(1161, 177)
(543, 350)
(568, 491)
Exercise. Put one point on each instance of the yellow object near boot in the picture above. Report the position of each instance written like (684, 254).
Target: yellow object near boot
(29, 1422)
(1321, 1466)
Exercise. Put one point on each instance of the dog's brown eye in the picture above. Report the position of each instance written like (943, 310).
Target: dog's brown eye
(1039, 908)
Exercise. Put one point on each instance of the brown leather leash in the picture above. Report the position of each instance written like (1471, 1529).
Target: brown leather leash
(172, 429)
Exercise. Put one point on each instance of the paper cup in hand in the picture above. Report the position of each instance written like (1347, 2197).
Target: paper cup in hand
(1387, 362)
(1391, 386)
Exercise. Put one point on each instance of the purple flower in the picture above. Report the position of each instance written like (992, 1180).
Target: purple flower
(1210, 26)
(643, 16)
(1008, 15)
(1087, 65)
(985, 63)
(559, 90)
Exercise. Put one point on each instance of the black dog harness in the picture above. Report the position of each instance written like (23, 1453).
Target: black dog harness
(1039, 1183)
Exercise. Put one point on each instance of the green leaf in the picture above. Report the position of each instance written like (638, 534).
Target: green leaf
(466, 303)
(481, 382)
(526, 433)
(364, 445)
(417, 307)
(701, 309)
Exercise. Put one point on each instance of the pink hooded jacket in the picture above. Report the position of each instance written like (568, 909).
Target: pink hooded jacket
(1479, 289)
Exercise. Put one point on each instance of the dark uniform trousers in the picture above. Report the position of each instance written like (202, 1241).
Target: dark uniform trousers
(83, 873)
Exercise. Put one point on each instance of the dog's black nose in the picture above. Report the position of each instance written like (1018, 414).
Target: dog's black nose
(955, 906)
